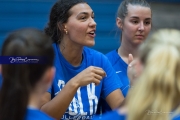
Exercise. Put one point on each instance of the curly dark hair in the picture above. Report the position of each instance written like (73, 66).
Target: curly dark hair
(58, 16)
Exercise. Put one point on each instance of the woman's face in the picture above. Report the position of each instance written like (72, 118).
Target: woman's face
(81, 26)
(137, 24)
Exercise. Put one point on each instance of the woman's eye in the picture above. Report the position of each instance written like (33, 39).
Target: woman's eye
(83, 18)
(135, 22)
(147, 23)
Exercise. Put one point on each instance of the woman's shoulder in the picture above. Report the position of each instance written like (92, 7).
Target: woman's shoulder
(113, 57)
(34, 114)
(176, 117)
(111, 53)
(92, 52)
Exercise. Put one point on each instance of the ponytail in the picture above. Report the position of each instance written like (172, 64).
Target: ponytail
(52, 28)
(14, 93)
(19, 80)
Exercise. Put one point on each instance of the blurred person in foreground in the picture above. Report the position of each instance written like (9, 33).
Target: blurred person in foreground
(155, 94)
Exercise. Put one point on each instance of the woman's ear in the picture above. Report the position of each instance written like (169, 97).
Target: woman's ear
(48, 78)
(51, 73)
(60, 26)
(119, 23)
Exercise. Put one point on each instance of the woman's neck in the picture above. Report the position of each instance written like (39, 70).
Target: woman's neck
(35, 100)
(124, 51)
(72, 54)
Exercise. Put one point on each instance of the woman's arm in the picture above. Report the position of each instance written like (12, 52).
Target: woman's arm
(115, 99)
(59, 104)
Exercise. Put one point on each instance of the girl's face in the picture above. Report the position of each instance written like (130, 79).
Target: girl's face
(137, 24)
(81, 26)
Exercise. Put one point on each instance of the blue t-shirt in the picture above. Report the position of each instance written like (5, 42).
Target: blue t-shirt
(115, 115)
(110, 115)
(120, 68)
(84, 103)
(35, 114)
(176, 117)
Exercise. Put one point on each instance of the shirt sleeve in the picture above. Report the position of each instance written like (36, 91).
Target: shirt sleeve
(111, 82)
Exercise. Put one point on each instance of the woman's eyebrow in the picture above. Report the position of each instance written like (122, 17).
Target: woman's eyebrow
(135, 17)
(86, 13)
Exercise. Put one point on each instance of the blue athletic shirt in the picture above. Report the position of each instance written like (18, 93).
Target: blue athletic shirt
(115, 115)
(84, 103)
(110, 115)
(35, 114)
(176, 118)
(120, 68)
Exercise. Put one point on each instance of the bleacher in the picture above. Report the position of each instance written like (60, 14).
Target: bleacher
(16, 14)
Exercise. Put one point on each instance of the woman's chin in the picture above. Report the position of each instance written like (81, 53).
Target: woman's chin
(138, 41)
(90, 44)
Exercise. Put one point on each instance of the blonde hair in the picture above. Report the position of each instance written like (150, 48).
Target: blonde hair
(157, 92)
